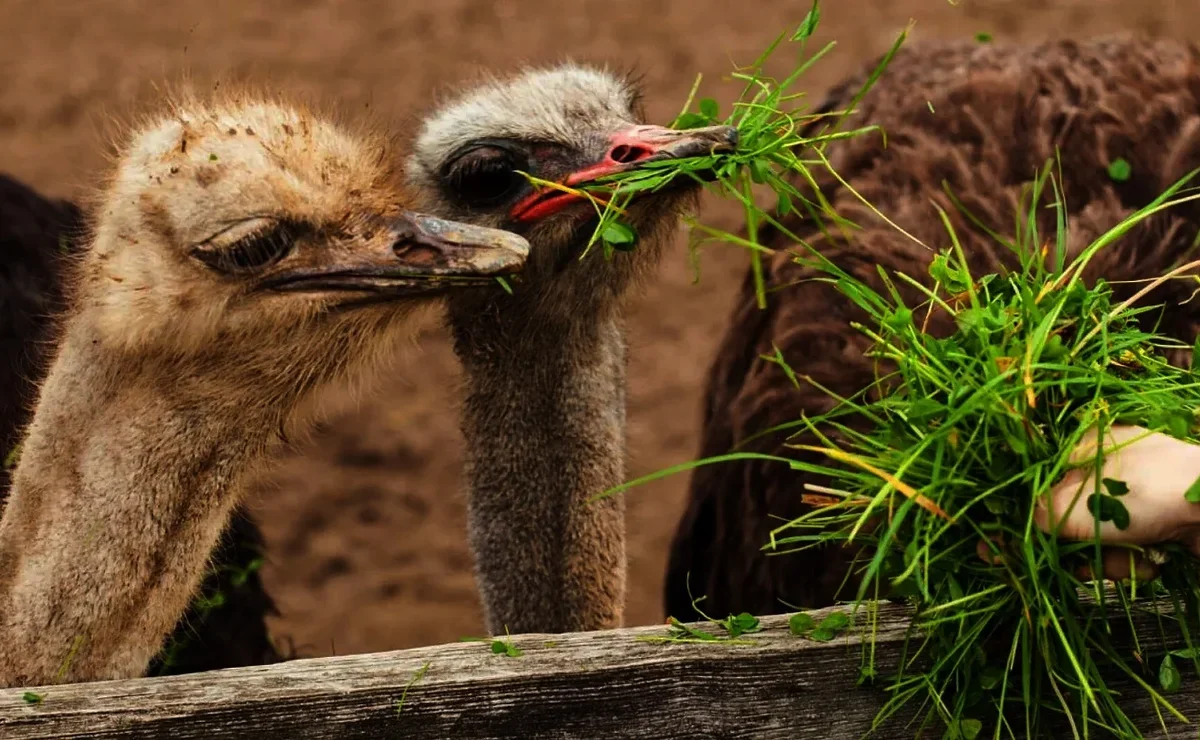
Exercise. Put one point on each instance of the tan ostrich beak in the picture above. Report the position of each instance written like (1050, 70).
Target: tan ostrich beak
(629, 149)
(421, 255)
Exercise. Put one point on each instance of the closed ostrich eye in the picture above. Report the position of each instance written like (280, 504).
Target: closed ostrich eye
(486, 175)
(248, 246)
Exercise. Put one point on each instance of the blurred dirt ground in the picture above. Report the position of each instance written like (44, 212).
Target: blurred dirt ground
(365, 524)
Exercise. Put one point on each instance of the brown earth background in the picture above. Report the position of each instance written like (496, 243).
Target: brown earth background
(365, 524)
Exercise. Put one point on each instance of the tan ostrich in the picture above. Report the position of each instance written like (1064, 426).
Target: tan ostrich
(245, 255)
(982, 119)
(544, 410)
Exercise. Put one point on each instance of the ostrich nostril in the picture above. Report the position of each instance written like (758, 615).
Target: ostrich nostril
(626, 154)
(415, 253)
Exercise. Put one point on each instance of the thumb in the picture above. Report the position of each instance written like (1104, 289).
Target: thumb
(1064, 511)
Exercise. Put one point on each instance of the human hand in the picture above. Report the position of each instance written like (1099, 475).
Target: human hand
(1158, 470)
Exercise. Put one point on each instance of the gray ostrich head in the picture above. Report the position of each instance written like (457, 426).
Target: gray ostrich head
(569, 124)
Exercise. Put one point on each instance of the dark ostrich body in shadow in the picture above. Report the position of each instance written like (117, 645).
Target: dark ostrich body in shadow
(982, 119)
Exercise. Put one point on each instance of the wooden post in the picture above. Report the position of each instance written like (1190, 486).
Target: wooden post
(595, 685)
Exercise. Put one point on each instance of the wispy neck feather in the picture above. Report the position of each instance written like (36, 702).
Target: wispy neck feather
(122, 491)
(544, 422)
(128, 475)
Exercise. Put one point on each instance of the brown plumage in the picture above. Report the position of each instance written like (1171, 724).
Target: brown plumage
(36, 233)
(982, 119)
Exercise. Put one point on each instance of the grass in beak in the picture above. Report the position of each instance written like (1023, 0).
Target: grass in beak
(769, 114)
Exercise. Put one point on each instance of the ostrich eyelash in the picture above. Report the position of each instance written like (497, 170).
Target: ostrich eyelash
(470, 156)
(479, 165)
(485, 174)
(254, 251)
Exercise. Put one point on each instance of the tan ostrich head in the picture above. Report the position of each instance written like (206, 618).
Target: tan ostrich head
(245, 256)
(570, 124)
(247, 217)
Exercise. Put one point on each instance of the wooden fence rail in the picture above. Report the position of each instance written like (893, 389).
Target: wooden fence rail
(595, 685)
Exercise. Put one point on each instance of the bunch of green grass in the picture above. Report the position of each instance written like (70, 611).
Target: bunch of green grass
(956, 441)
(963, 434)
(772, 153)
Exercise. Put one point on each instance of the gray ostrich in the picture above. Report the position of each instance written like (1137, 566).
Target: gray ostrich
(544, 408)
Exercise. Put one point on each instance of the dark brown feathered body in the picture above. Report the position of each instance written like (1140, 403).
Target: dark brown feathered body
(37, 238)
(36, 234)
(983, 119)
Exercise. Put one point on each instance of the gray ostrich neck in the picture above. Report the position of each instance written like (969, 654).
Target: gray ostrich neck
(544, 422)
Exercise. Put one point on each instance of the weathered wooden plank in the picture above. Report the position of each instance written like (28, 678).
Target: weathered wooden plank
(611, 684)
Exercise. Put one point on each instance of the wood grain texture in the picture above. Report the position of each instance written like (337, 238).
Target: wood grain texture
(612, 684)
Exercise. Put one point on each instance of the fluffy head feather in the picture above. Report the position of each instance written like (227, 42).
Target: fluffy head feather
(552, 122)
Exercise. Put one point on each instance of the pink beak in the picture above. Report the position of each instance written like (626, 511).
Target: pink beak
(628, 149)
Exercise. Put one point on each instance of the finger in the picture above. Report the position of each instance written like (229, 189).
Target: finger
(1085, 451)
(1120, 564)
(992, 554)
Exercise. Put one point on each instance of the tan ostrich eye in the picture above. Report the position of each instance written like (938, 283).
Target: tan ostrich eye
(247, 246)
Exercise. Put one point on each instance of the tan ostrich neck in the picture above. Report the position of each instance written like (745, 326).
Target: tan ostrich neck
(544, 422)
(124, 484)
